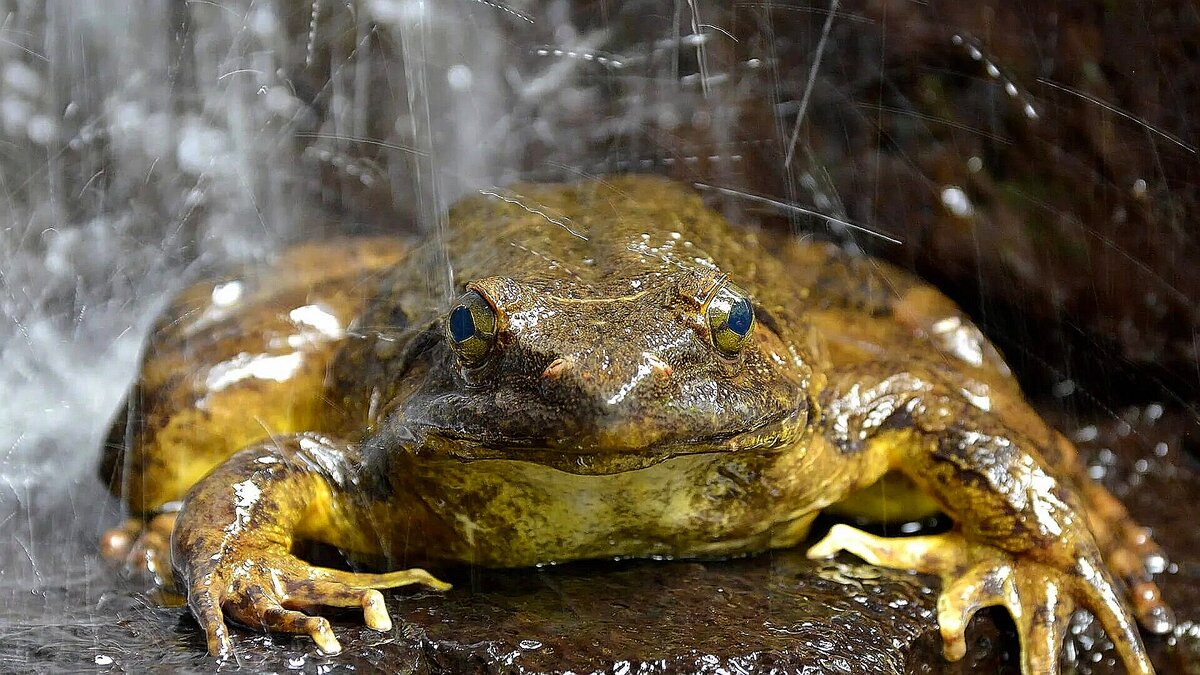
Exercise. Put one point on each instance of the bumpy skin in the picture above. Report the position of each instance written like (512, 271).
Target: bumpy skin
(602, 420)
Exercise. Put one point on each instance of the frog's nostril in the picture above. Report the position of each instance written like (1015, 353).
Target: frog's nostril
(557, 368)
(657, 365)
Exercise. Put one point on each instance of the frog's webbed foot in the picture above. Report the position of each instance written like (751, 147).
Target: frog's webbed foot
(273, 591)
(142, 548)
(1040, 596)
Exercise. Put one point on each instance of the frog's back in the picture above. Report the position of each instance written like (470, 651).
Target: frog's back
(592, 237)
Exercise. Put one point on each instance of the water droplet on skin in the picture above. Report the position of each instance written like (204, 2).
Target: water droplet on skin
(104, 660)
(975, 164)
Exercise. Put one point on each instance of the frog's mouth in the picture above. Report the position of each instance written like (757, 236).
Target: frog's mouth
(783, 430)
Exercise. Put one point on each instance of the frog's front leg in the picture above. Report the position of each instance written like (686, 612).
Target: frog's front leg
(231, 547)
(1021, 540)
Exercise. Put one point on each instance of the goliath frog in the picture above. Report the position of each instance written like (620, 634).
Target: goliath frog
(618, 372)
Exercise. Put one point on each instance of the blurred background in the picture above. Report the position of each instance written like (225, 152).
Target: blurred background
(1037, 160)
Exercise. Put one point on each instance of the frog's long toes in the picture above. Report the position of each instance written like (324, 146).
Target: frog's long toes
(1152, 613)
(420, 576)
(375, 612)
(981, 586)
(206, 607)
(310, 594)
(116, 543)
(932, 554)
(1158, 620)
(264, 610)
(1043, 624)
(1097, 592)
(873, 549)
(395, 579)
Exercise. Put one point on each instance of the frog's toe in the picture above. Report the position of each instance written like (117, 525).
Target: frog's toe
(981, 586)
(142, 549)
(256, 607)
(1131, 553)
(270, 594)
(116, 543)
(205, 605)
(932, 554)
(335, 588)
(1039, 598)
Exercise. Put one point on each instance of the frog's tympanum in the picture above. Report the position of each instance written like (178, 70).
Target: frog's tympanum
(617, 372)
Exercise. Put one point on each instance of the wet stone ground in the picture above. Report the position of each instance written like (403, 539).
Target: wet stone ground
(773, 612)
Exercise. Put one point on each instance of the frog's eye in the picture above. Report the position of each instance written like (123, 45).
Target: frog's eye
(472, 327)
(731, 318)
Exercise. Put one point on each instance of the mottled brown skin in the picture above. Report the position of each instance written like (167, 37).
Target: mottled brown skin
(603, 421)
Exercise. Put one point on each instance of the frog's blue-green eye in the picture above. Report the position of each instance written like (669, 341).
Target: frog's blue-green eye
(472, 327)
(730, 318)
(741, 317)
(462, 326)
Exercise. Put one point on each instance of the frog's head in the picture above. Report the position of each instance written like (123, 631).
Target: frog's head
(603, 377)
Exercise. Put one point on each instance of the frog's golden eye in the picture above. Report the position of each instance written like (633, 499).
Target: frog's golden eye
(472, 327)
(730, 318)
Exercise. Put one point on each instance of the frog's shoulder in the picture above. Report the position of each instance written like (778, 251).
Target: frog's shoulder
(226, 359)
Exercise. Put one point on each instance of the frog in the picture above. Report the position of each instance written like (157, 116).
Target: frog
(600, 369)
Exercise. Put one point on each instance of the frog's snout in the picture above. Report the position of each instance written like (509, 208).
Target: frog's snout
(565, 365)
(608, 400)
(600, 384)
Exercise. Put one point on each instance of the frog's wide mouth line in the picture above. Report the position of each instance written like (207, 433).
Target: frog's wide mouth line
(772, 434)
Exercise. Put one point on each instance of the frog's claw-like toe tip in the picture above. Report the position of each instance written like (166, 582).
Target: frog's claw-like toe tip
(1158, 620)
